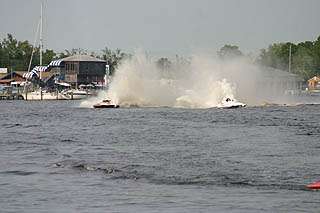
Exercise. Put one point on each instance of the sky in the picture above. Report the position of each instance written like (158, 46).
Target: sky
(162, 27)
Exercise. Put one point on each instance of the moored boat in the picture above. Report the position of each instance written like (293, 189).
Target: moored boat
(43, 95)
(76, 94)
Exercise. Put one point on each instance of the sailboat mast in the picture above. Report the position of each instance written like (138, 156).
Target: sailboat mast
(41, 28)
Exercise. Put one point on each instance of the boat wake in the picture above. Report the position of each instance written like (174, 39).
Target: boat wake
(158, 175)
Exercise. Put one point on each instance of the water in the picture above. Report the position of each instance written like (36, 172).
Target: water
(57, 157)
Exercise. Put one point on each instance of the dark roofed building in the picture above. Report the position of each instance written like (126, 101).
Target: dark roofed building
(6, 79)
(80, 69)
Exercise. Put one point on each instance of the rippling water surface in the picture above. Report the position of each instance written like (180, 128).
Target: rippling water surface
(57, 157)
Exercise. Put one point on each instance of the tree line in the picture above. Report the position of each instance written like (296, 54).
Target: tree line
(15, 55)
(305, 56)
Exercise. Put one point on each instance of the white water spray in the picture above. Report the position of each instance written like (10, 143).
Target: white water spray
(201, 83)
(138, 81)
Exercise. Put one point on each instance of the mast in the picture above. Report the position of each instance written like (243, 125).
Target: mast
(41, 28)
(34, 45)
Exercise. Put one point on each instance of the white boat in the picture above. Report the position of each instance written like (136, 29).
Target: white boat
(106, 103)
(46, 95)
(75, 94)
(39, 94)
(228, 103)
(71, 94)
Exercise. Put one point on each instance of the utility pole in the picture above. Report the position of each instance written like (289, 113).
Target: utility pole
(290, 58)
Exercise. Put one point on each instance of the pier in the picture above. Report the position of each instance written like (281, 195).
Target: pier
(11, 97)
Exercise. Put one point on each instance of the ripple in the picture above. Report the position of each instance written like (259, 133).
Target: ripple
(8, 126)
(31, 126)
(18, 172)
(68, 140)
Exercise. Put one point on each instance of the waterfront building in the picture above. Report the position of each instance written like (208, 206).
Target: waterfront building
(9, 78)
(275, 81)
(77, 69)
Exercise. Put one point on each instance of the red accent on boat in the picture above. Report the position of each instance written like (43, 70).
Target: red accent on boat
(315, 185)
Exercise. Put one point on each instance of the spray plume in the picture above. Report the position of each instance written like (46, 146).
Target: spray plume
(201, 83)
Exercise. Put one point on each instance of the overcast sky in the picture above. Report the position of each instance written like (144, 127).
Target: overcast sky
(162, 27)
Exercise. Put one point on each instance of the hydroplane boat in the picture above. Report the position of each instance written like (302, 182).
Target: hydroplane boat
(106, 103)
(229, 103)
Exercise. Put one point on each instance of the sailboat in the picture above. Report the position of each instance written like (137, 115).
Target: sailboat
(36, 73)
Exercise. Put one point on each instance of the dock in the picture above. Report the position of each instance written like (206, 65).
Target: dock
(11, 97)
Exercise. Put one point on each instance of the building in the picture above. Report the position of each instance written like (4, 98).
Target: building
(78, 69)
(278, 81)
(8, 78)
(314, 83)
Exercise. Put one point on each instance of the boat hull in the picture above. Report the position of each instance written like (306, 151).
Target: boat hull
(231, 106)
(105, 106)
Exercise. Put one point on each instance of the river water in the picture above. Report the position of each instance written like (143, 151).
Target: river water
(58, 157)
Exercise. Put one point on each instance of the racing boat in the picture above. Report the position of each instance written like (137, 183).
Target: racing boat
(106, 103)
(229, 103)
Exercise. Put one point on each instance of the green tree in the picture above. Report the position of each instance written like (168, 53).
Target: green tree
(229, 52)
(73, 51)
(277, 55)
(113, 58)
(164, 63)
(48, 56)
(305, 57)
(16, 55)
(316, 55)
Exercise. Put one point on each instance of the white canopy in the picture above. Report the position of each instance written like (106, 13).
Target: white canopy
(63, 84)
